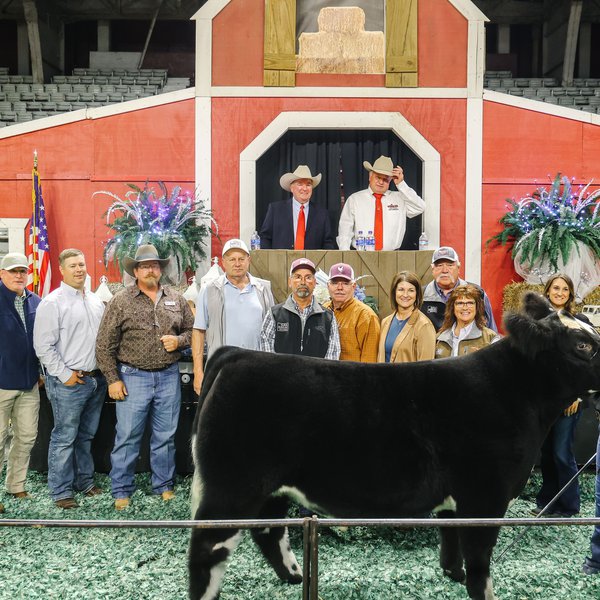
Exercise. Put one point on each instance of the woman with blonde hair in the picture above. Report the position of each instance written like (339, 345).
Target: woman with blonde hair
(464, 330)
(407, 335)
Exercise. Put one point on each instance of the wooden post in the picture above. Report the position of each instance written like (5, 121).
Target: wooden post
(33, 33)
(571, 43)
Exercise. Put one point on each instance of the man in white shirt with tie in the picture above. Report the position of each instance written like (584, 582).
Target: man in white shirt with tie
(379, 210)
(64, 338)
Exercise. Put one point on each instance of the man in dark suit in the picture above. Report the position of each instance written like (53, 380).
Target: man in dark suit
(296, 223)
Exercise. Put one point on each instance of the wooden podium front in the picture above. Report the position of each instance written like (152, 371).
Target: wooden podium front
(379, 267)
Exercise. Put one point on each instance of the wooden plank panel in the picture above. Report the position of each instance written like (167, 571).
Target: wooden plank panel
(401, 41)
(423, 265)
(393, 80)
(270, 78)
(280, 62)
(401, 64)
(319, 258)
(406, 261)
(379, 267)
(280, 39)
(267, 266)
(410, 80)
(287, 78)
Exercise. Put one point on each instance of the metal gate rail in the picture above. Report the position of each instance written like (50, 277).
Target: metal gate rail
(310, 526)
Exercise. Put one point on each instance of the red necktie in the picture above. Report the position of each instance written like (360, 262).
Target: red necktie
(300, 230)
(378, 231)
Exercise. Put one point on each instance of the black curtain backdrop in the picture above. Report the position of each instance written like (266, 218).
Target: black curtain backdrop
(339, 156)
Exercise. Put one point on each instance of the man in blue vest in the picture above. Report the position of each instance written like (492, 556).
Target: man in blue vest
(300, 325)
(19, 371)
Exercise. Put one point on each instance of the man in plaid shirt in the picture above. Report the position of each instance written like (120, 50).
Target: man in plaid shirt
(300, 325)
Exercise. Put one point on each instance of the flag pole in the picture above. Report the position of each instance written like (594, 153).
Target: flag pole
(33, 232)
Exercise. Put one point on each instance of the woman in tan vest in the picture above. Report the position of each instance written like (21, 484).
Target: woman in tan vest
(463, 330)
(407, 335)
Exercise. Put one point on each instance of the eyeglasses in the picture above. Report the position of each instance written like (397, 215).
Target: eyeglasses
(146, 267)
(300, 278)
(17, 271)
(465, 304)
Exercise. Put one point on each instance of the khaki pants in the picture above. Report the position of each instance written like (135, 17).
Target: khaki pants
(21, 409)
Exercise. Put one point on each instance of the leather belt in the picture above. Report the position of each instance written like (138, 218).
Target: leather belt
(148, 370)
(94, 373)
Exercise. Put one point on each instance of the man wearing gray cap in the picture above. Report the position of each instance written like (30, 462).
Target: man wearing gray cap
(19, 371)
(230, 310)
(378, 210)
(300, 325)
(445, 266)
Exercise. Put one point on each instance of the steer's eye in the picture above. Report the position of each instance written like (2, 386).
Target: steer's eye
(584, 346)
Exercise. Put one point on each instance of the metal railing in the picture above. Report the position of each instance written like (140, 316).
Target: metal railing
(310, 527)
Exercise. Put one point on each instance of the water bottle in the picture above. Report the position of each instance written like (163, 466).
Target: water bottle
(359, 243)
(370, 242)
(255, 241)
(423, 241)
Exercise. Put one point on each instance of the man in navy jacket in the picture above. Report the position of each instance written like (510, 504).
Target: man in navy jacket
(19, 370)
(285, 219)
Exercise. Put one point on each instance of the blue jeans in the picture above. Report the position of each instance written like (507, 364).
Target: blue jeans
(153, 394)
(76, 411)
(593, 563)
(558, 466)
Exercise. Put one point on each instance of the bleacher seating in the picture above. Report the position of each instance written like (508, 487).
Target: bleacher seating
(22, 100)
(583, 95)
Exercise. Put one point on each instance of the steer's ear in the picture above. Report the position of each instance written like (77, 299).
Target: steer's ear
(529, 335)
(536, 306)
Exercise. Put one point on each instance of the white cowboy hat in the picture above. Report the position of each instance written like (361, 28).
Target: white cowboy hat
(383, 165)
(145, 253)
(302, 172)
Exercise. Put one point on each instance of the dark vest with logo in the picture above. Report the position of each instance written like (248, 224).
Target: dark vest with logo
(290, 339)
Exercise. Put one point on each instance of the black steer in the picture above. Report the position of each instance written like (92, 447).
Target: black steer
(458, 436)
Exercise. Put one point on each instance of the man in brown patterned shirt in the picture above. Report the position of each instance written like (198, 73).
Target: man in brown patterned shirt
(144, 327)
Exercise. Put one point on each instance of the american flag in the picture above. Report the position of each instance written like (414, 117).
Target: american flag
(38, 250)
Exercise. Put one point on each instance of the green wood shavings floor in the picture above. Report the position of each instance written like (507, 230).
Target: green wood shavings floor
(358, 564)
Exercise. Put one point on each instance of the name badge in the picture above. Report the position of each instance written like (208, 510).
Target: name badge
(170, 303)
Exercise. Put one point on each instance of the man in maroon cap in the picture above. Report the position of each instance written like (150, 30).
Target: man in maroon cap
(357, 323)
(300, 325)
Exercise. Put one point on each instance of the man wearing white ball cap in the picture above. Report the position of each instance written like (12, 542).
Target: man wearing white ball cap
(230, 309)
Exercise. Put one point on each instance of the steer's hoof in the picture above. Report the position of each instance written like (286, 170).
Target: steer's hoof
(456, 574)
(295, 579)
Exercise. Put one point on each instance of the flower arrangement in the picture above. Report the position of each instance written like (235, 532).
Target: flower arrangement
(360, 294)
(550, 224)
(176, 223)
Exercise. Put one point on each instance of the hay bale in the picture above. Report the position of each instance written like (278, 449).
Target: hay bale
(513, 292)
(341, 45)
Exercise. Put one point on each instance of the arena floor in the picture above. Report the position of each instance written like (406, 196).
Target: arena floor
(358, 564)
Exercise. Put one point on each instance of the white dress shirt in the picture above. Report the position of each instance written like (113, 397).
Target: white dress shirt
(359, 215)
(66, 326)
